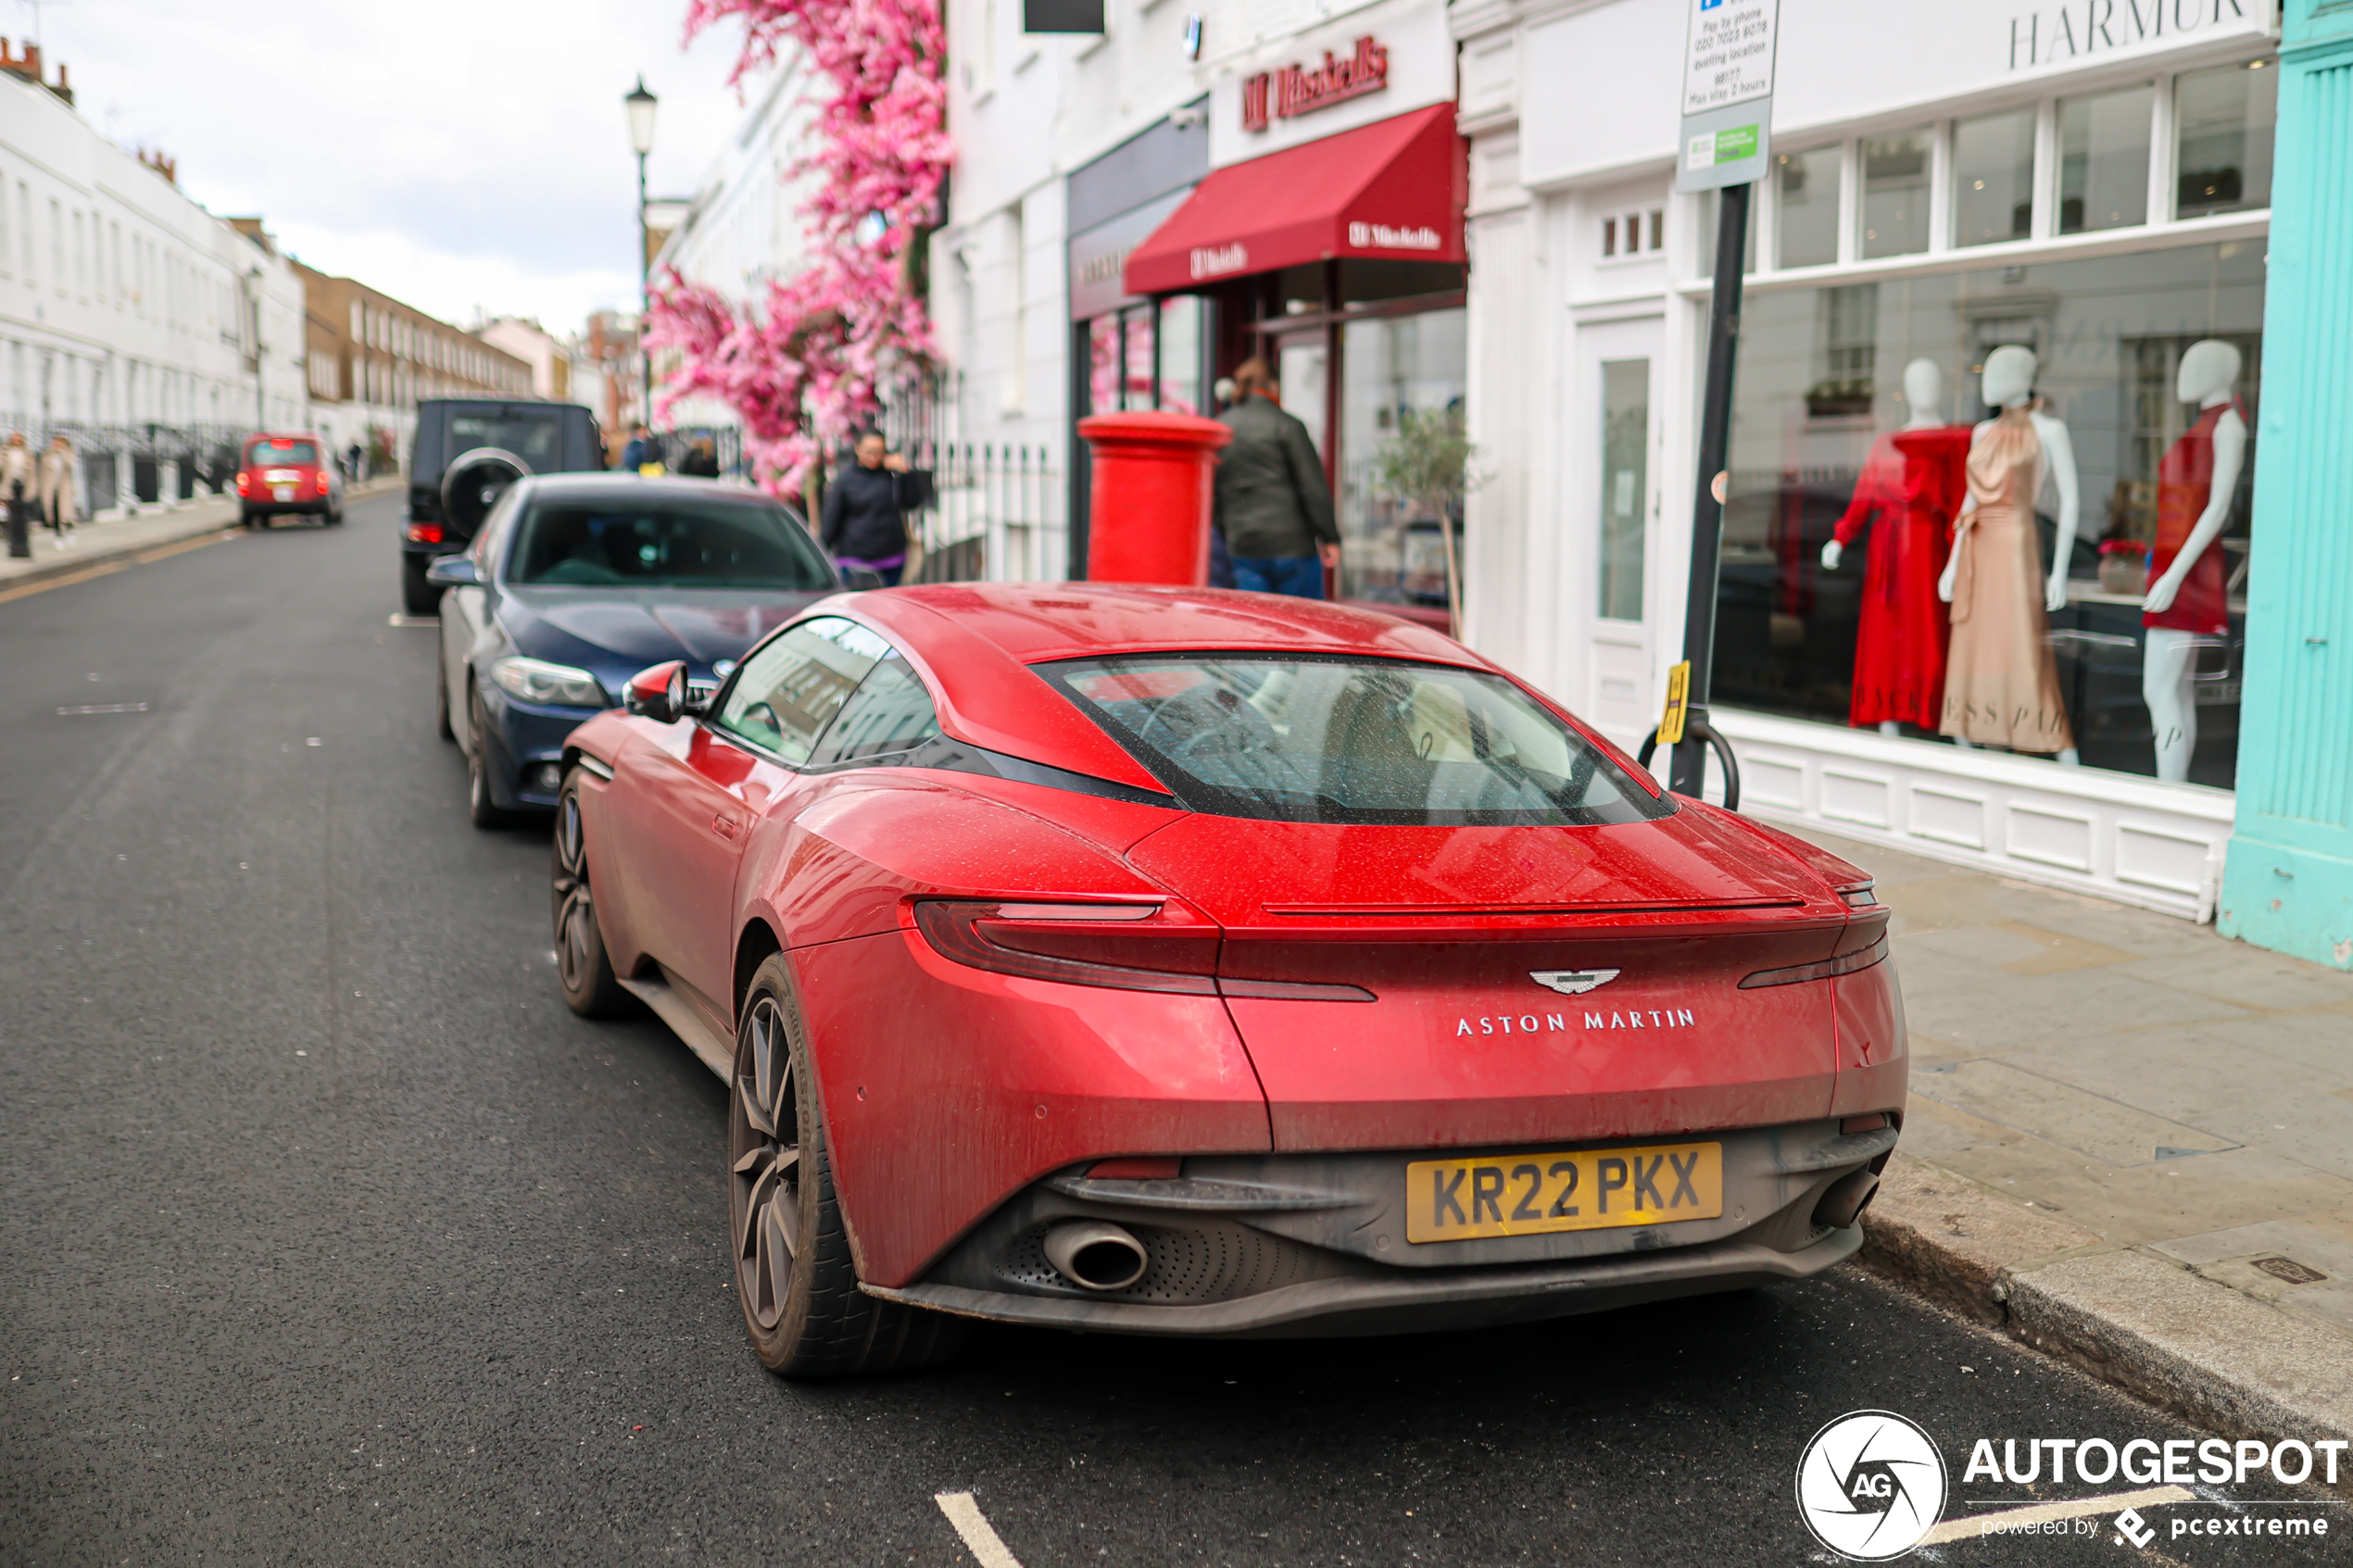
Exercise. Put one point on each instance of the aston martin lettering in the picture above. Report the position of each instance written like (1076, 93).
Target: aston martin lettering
(1572, 982)
(1550, 1022)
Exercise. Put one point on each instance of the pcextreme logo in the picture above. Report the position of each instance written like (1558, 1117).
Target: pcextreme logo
(1871, 1485)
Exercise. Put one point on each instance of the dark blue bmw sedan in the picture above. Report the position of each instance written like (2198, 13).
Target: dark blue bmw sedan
(576, 581)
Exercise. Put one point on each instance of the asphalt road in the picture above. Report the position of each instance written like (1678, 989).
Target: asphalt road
(327, 1235)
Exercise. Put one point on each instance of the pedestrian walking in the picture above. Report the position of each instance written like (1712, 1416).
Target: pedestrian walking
(702, 460)
(643, 454)
(358, 470)
(1274, 510)
(61, 489)
(864, 526)
(20, 488)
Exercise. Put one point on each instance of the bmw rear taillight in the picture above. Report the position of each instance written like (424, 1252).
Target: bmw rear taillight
(425, 533)
(1128, 946)
(319, 480)
(245, 482)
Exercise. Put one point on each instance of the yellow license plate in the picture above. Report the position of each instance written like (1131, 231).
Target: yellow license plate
(1579, 1189)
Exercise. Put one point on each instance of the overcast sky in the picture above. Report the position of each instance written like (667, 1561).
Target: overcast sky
(455, 153)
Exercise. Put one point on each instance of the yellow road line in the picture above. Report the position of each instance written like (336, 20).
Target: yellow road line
(66, 580)
(1980, 1524)
(988, 1548)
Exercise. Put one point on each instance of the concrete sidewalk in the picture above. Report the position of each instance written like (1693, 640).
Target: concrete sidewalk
(2130, 1142)
(116, 539)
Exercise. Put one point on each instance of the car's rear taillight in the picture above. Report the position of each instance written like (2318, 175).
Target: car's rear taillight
(1845, 963)
(319, 480)
(244, 481)
(425, 533)
(1133, 947)
(1128, 946)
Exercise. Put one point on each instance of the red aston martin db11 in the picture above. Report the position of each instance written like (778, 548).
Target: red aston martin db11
(1181, 961)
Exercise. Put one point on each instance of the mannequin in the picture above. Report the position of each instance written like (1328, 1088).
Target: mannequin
(2186, 600)
(1911, 485)
(2001, 686)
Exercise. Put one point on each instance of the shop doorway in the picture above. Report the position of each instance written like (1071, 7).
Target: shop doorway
(1610, 582)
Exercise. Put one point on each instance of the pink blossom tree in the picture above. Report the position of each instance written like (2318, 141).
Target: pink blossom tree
(804, 367)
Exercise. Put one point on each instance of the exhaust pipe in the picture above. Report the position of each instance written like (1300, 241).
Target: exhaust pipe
(1096, 1256)
(1846, 1200)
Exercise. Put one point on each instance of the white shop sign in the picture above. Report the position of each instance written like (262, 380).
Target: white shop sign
(1840, 61)
(1725, 133)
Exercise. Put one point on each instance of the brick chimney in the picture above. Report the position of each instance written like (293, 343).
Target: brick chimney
(163, 163)
(26, 67)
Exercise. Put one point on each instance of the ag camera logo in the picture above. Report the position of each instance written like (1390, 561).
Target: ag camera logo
(1871, 1485)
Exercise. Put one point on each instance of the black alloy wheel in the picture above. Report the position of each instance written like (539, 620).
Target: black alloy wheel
(583, 968)
(481, 808)
(795, 1277)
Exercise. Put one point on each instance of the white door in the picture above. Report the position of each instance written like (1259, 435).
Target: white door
(1611, 508)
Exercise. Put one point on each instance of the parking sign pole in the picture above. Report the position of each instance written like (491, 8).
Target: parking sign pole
(1690, 769)
(1727, 111)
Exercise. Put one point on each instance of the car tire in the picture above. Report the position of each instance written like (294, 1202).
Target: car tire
(441, 693)
(247, 519)
(417, 596)
(583, 968)
(795, 1278)
(481, 807)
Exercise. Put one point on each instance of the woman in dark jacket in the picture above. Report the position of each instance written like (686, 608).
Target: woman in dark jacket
(866, 526)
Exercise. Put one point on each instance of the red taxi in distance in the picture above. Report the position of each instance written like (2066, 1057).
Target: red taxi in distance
(278, 475)
(1189, 962)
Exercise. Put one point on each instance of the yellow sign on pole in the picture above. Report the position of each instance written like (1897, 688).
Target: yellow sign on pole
(1679, 687)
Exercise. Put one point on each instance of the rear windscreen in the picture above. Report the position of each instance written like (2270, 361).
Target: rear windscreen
(666, 544)
(1341, 740)
(535, 435)
(280, 452)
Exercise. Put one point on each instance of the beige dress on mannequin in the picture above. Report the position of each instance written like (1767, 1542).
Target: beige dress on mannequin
(2001, 684)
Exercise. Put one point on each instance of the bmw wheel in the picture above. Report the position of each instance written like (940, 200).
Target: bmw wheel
(795, 1278)
(591, 989)
(481, 808)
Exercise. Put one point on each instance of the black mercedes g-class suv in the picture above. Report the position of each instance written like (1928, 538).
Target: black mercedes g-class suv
(467, 450)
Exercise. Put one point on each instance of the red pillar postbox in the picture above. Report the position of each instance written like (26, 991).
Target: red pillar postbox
(1149, 511)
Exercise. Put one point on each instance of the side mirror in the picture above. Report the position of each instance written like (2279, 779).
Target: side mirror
(453, 571)
(658, 694)
(861, 578)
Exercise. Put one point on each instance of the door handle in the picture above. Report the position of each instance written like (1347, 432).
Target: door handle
(723, 824)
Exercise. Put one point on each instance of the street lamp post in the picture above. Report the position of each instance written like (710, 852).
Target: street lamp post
(640, 105)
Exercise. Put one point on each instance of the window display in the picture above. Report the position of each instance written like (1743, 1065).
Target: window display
(1401, 406)
(2057, 567)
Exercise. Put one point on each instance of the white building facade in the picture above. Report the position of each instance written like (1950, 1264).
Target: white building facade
(1943, 183)
(151, 332)
(743, 229)
(1201, 132)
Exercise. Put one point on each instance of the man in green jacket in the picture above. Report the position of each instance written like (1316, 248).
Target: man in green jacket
(1274, 508)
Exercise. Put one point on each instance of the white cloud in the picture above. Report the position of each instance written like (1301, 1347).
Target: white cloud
(453, 154)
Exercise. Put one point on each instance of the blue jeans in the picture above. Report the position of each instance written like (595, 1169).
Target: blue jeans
(1301, 577)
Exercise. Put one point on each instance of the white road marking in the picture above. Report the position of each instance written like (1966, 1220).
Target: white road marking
(1978, 1525)
(989, 1549)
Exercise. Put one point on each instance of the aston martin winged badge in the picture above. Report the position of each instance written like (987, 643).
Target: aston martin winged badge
(1572, 982)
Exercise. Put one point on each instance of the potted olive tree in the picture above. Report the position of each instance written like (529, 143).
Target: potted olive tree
(1427, 464)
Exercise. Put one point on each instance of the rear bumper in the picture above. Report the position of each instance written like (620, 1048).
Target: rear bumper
(1316, 1244)
(314, 506)
(1450, 1299)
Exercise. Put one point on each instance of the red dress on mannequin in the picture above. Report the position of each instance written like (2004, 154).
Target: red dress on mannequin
(2185, 483)
(1913, 483)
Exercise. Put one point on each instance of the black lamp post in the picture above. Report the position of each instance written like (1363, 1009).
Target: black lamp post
(640, 105)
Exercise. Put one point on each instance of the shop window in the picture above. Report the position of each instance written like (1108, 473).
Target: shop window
(1994, 178)
(1894, 206)
(2223, 120)
(1626, 423)
(1848, 353)
(2104, 160)
(1119, 360)
(1402, 407)
(1180, 355)
(2151, 363)
(1805, 185)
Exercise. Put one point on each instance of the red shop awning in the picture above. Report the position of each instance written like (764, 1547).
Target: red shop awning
(1392, 190)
